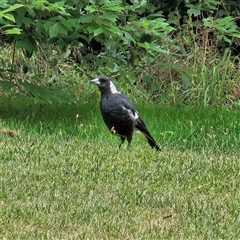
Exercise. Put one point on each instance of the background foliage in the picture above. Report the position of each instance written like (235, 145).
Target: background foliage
(172, 51)
(61, 176)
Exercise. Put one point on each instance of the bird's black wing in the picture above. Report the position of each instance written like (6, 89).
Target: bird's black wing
(138, 122)
(128, 106)
(118, 114)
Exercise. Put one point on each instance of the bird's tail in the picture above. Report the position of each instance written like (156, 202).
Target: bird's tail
(152, 143)
(144, 134)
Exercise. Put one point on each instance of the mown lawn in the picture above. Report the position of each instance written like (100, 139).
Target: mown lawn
(62, 178)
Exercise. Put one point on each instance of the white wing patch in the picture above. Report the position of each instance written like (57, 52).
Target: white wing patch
(113, 89)
(133, 115)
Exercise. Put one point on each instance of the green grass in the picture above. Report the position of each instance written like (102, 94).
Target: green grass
(62, 177)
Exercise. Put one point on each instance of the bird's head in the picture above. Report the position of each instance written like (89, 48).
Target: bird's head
(104, 84)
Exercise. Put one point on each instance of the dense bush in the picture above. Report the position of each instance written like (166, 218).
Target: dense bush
(171, 50)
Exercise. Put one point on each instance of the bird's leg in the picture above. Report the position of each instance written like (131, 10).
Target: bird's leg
(122, 139)
(129, 139)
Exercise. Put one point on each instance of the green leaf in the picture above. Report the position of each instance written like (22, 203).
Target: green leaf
(186, 79)
(146, 45)
(164, 97)
(47, 25)
(70, 23)
(195, 10)
(7, 16)
(90, 8)
(40, 29)
(227, 39)
(87, 18)
(111, 17)
(129, 36)
(157, 14)
(27, 21)
(145, 24)
(208, 22)
(224, 21)
(6, 86)
(61, 43)
(152, 47)
(21, 12)
(98, 31)
(12, 8)
(237, 35)
(146, 78)
(62, 29)
(115, 30)
(47, 97)
(92, 28)
(154, 87)
(53, 31)
(27, 43)
(13, 31)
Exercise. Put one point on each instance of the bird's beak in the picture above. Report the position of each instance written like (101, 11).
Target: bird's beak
(95, 81)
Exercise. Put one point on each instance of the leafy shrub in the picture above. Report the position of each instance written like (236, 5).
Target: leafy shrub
(166, 51)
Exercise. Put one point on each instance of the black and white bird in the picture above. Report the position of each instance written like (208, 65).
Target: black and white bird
(119, 114)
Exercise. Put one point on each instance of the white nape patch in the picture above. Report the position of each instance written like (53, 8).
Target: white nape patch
(113, 89)
(95, 80)
(136, 115)
(140, 135)
(133, 115)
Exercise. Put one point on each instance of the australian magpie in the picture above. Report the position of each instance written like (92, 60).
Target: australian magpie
(119, 114)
